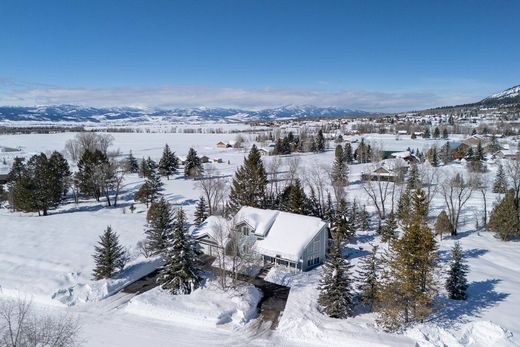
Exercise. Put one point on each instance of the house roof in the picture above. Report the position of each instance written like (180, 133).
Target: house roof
(258, 219)
(289, 235)
(211, 227)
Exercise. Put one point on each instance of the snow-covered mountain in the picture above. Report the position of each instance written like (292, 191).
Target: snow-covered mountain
(508, 96)
(79, 114)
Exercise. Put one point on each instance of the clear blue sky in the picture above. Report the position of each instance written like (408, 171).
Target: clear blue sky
(346, 53)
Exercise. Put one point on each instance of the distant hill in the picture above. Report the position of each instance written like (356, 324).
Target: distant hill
(80, 114)
(507, 97)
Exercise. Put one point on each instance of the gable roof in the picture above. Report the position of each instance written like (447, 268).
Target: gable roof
(289, 235)
(258, 219)
(210, 227)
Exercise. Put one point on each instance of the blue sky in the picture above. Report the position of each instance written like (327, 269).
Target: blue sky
(374, 55)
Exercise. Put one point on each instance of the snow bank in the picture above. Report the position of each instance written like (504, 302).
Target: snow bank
(207, 305)
(479, 333)
(93, 291)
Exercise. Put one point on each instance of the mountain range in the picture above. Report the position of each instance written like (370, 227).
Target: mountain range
(80, 114)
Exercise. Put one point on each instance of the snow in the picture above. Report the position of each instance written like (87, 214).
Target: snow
(210, 227)
(289, 235)
(49, 259)
(259, 219)
(207, 305)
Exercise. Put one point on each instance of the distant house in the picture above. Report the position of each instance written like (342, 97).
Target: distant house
(406, 156)
(279, 238)
(221, 144)
(204, 159)
(263, 151)
(460, 151)
(402, 132)
(391, 170)
(217, 160)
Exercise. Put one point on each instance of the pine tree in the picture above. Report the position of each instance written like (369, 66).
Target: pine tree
(500, 184)
(369, 286)
(408, 287)
(201, 211)
(389, 229)
(413, 136)
(443, 224)
(427, 134)
(88, 176)
(340, 171)
(420, 205)
(169, 163)
(160, 226)
(132, 166)
(179, 275)
(193, 165)
(480, 154)
(436, 133)
(330, 211)
(445, 134)
(435, 157)
(109, 255)
(341, 224)
(403, 208)
(457, 284)
(298, 202)
(364, 219)
(143, 168)
(347, 152)
(320, 141)
(248, 187)
(335, 296)
(414, 182)
(504, 218)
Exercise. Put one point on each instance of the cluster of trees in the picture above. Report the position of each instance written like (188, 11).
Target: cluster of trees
(400, 284)
(166, 236)
(304, 143)
(40, 184)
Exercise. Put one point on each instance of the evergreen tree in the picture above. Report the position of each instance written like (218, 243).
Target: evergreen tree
(369, 286)
(457, 284)
(362, 152)
(193, 165)
(443, 224)
(248, 187)
(389, 229)
(201, 211)
(420, 205)
(132, 166)
(169, 163)
(109, 255)
(40, 184)
(338, 153)
(436, 133)
(298, 202)
(89, 173)
(160, 226)
(408, 287)
(341, 224)
(151, 189)
(364, 219)
(435, 157)
(504, 218)
(446, 155)
(403, 208)
(445, 134)
(179, 275)
(335, 296)
(347, 152)
(500, 184)
(330, 211)
(414, 182)
(427, 134)
(480, 154)
(320, 142)
(143, 168)
(340, 171)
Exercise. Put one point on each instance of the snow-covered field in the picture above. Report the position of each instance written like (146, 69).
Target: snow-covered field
(49, 259)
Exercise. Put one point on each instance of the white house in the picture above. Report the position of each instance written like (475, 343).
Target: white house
(296, 241)
(293, 240)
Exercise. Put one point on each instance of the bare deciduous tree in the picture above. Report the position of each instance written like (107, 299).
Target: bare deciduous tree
(214, 187)
(378, 191)
(429, 176)
(273, 167)
(318, 179)
(456, 192)
(19, 326)
(87, 141)
(293, 164)
(512, 170)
